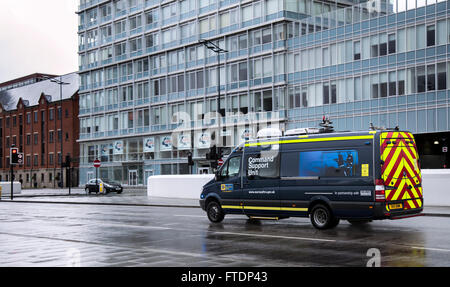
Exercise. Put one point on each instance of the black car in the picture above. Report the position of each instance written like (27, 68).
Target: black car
(109, 186)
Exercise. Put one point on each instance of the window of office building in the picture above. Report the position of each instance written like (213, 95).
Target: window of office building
(431, 35)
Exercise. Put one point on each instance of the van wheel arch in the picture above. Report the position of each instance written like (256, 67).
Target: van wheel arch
(318, 200)
(211, 198)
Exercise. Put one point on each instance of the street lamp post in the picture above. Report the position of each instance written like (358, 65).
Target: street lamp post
(216, 49)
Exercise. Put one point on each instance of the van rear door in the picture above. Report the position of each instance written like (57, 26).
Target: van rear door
(400, 171)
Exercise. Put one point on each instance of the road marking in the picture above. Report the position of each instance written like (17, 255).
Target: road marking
(156, 250)
(181, 215)
(432, 249)
(136, 226)
(275, 236)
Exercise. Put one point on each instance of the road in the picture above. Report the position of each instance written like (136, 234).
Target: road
(42, 234)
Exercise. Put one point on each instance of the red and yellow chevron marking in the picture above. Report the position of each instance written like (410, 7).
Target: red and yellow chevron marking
(400, 169)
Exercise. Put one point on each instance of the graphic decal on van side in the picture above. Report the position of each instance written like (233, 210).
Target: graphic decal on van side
(263, 165)
(329, 163)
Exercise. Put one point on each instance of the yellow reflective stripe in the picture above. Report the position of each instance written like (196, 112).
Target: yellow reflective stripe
(294, 209)
(310, 140)
(261, 207)
(392, 162)
(264, 208)
(232, 207)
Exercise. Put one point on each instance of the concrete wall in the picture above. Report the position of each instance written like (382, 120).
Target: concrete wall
(6, 188)
(177, 186)
(436, 187)
(435, 182)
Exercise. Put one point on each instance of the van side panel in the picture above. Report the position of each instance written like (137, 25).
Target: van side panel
(339, 173)
(400, 171)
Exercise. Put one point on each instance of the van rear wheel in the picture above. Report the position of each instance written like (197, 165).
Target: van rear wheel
(322, 218)
(215, 212)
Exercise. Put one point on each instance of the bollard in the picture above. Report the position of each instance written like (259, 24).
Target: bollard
(0, 192)
(101, 187)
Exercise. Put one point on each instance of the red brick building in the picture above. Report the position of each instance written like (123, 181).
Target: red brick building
(30, 119)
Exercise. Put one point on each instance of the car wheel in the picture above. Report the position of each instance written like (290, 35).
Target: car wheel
(214, 212)
(322, 218)
(119, 192)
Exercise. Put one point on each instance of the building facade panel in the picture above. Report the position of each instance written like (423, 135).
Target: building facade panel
(145, 78)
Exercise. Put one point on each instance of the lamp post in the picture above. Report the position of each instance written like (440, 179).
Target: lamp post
(216, 49)
(60, 83)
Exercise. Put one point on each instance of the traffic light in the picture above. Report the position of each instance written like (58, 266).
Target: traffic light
(68, 161)
(190, 161)
(15, 156)
(212, 155)
(219, 153)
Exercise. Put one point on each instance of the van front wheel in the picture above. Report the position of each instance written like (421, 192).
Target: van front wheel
(214, 212)
(322, 218)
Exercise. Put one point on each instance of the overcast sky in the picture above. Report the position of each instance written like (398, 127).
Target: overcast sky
(37, 36)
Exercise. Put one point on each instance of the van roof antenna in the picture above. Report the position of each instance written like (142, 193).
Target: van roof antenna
(326, 125)
(374, 128)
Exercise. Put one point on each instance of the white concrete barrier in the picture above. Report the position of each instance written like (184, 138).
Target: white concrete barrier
(6, 188)
(177, 186)
(435, 183)
(436, 187)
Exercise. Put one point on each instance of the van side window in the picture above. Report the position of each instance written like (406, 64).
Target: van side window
(232, 167)
(325, 163)
(263, 165)
(224, 170)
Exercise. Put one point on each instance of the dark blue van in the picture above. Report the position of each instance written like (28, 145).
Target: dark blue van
(357, 176)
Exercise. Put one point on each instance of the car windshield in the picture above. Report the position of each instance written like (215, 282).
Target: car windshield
(110, 182)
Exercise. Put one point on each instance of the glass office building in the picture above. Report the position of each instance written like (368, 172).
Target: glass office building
(148, 88)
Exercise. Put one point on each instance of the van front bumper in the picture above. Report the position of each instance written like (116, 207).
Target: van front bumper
(202, 204)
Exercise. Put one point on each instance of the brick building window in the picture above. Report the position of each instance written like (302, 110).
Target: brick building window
(36, 137)
(36, 160)
(50, 159)
(51, 114)
(35, 116)
(50, 136)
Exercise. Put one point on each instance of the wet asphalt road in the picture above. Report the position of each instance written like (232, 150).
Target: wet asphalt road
(37, 234)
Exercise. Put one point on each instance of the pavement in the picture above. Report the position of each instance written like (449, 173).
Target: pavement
(135, 197)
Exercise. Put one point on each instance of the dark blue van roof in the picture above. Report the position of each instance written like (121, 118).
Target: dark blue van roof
(336, 136)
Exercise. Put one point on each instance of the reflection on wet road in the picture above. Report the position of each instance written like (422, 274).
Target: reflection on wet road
(36, 234)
